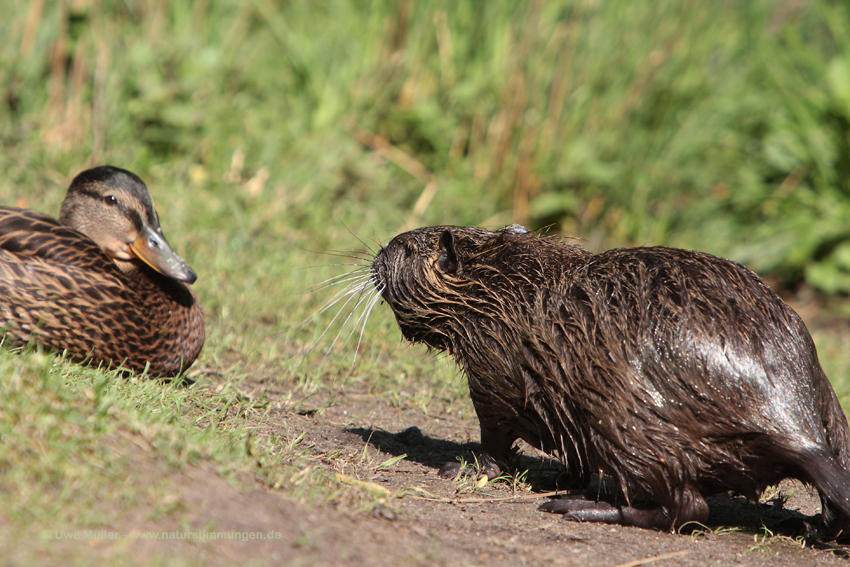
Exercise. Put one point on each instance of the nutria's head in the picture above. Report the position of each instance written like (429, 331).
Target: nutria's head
(444, 282)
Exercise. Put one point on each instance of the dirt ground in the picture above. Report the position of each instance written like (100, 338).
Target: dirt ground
(426, 521)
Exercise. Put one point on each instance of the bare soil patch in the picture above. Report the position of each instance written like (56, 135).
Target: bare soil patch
(500, 524)
(423, 520)
(429, 520)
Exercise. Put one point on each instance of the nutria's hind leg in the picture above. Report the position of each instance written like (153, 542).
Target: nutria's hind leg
(580, 508)
(496, 441)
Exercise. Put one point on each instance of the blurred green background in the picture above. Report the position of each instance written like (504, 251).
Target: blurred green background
(720, 126)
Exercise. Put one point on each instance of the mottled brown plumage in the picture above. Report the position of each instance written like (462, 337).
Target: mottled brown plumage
(80, 285)
(677, 373)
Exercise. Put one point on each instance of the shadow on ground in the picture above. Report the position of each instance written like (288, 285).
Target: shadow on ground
(727, 511)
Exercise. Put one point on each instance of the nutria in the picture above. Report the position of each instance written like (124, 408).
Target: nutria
(677, 373)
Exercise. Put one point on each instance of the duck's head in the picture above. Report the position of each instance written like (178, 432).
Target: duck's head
(114, 208)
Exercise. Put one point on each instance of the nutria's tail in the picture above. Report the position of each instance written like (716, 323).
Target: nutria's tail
(830, 478)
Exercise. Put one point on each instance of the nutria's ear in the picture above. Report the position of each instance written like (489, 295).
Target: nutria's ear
(448, 261)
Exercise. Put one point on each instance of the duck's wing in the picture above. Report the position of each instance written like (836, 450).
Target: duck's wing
(24, 232)
(59, 288)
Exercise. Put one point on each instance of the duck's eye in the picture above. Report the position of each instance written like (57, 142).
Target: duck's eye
(110, 200)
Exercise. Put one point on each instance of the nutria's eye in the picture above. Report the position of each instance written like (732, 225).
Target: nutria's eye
(408, 250)
(110, 200)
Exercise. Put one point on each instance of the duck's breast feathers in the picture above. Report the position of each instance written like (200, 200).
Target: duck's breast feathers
(28, 233)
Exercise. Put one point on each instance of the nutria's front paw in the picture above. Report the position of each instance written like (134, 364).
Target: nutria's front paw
(452, 470)
(489, 467)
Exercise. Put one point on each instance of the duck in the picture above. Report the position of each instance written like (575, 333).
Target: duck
(100, 283)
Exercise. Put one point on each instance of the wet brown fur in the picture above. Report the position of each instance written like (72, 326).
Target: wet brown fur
(678, 373)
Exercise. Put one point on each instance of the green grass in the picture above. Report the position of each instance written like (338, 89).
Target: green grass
(81, 447)
(283, 140)
(89, 449)
(833, 346)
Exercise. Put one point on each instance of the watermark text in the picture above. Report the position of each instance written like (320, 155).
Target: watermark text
(194, 535)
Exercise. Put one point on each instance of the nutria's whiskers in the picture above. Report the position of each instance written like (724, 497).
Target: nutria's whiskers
(354, 303)
(363, 319)
(356, 290)
(352, 276)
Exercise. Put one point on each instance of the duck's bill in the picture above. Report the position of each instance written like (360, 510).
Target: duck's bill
(152, 248)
